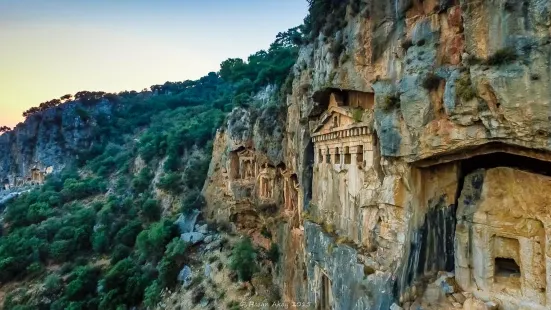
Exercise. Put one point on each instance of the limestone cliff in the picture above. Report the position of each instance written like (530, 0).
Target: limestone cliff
(49, 139)
(404, 152)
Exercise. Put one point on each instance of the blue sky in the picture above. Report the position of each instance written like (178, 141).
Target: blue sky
(51, 48)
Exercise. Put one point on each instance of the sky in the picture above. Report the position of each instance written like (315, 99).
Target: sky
(57, 47)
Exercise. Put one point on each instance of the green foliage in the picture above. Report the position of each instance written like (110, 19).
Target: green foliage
(152, 241)
(357, 114)
(142, 180)
(123, 284)
(464, 88)
(171, 182)
(114, 158)
(390, 102)
(243, 259)
(53, 284)
(128, 233)
(151, 210)
(152, 295)
(72, 222)
(83, 114)
(169, 266)
(503, 56)
(196, 172)
(273, 253)
(100, 241)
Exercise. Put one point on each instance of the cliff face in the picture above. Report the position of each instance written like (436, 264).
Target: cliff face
(403, 157)
(49, 139)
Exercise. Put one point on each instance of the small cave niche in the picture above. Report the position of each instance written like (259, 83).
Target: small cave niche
(344, 98)
(506, 267)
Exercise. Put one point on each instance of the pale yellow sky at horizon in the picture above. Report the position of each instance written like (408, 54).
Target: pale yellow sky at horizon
(44, 60)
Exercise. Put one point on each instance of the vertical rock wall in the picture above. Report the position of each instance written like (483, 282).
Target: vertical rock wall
(458, 85)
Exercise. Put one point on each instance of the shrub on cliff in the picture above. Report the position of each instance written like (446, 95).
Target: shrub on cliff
(273, 253)
(464, 88)
(243, 259)
(171, 183)
(390, 102)
(141, 182)
(151, 210)
(502, 56)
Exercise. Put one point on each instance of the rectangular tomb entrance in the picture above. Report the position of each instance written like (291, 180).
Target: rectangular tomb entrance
(324, 301)
(501, 241)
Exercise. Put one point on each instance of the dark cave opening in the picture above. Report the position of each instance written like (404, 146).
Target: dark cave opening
(432, 246)
(506, 267)
(308, 173)
(503, 159)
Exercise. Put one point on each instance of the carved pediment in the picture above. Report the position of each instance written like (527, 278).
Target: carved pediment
(327, 120)
(246, 153)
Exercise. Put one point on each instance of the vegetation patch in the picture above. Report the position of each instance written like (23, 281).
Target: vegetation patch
(114, 248)
(273, 253)
(503, 56)
(464, 88)
(243, 259)
(357, 114)
(390, 102)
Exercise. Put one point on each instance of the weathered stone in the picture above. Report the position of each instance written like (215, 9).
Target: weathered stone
(185, 276)
(203, 229)
(193, 237)
(415, 204)
(186, 222)
(396, 307)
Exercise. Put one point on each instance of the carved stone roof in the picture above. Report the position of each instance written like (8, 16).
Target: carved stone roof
(327, 115)
(246, 153)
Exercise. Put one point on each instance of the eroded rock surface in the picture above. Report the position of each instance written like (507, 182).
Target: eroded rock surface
(421, 150)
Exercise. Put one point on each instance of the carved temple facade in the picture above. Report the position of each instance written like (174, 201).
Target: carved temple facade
(344, 158)
(36, 176)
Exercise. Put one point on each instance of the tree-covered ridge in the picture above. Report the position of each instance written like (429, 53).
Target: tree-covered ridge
(96, 236)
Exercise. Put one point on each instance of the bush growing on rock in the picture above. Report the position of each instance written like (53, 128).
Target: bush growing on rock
(464, 88)
(71, 218)
(273, 253)
(390, 102)
(502, 56)
(171, 183)
(243, 259)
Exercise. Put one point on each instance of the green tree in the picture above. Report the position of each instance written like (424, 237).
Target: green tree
(243, 259)
(152, 241)
(151, 210)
